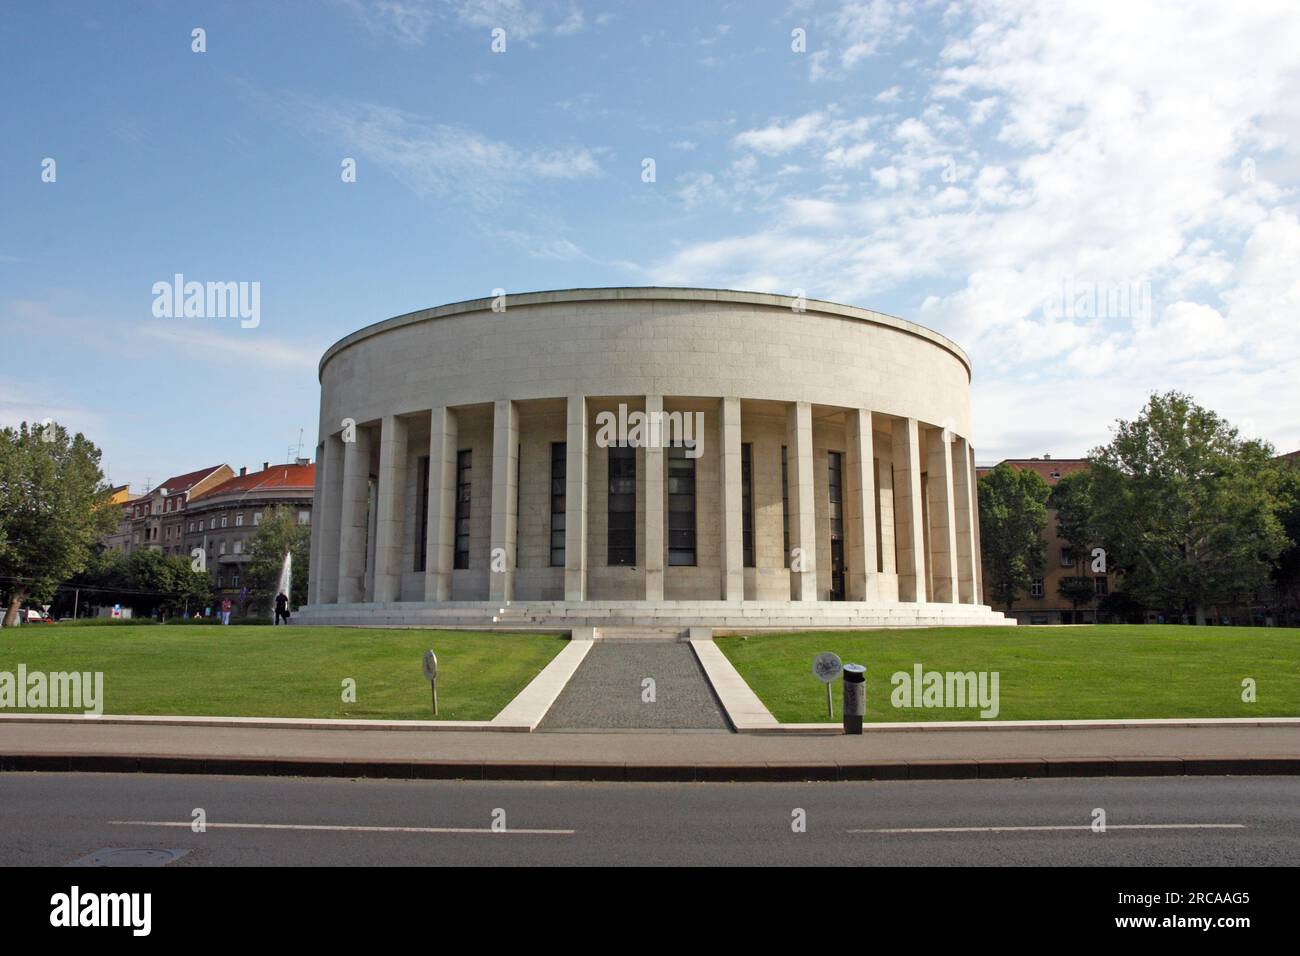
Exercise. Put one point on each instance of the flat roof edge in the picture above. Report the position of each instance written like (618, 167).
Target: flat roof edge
(642, 293)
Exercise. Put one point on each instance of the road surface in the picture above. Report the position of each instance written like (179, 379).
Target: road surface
(56, 819)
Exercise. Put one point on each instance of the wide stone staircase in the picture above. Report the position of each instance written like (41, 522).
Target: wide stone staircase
(660, 620)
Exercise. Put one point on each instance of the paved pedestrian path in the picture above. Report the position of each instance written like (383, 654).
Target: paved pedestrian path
(637, 685)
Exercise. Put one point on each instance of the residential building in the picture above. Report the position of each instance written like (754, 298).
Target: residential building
(221, 521)
(1045, 604)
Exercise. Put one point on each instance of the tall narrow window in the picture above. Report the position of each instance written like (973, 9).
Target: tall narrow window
(621, 540)
(681, 508)
(835, 466)
(559, 475)
(785, 505)
(422, 513)
(519, 467)
(747, 501)
(463, 462)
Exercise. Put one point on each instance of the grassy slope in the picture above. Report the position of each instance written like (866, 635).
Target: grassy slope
(287, 671)
(1045, 672)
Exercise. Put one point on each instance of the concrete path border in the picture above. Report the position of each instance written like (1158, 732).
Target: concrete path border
(741, 705)
(526, 711)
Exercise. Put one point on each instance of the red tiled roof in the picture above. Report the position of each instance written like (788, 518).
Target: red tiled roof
(280, 477)
(187, 481)
(1044, 466)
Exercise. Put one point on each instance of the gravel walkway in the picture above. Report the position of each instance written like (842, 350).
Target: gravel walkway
(608, 691)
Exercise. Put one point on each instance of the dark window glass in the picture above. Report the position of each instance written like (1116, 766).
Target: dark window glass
(747, 501)
(835, 467)
(621, 538)
(559, 452)
(785, 506)
(422, 513)
(463, 464)
(681, 508)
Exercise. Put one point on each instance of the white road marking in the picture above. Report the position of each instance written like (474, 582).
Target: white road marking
(1082, 826)
(338, 827)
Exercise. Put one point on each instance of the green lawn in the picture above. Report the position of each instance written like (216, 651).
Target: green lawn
(291, 671)
(1045, 673)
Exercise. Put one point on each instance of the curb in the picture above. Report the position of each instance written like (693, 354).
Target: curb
(764, 772)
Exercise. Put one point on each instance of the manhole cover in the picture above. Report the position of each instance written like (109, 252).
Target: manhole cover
(130, 856)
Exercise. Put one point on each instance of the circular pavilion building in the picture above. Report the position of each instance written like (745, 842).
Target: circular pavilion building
(633, 458)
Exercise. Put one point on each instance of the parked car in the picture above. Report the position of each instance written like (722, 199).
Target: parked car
(33, 616)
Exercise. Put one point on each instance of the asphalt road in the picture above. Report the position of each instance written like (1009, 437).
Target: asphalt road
(55, 819)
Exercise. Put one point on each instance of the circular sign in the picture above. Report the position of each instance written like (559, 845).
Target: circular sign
(826, 667)
(430, 665)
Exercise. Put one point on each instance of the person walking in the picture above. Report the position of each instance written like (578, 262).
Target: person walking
(225, 611)
(281, 608)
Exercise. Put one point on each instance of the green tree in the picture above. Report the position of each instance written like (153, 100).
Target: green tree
(53, 499)
(147, 580)
(1286, 570)
(1185, 508)
(278, 533)
(1072, 501)
(1013, 514)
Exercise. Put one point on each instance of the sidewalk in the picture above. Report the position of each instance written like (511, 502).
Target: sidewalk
(685, 755)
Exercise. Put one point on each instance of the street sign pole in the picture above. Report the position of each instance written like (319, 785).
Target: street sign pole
(826, 667)
(431, 675)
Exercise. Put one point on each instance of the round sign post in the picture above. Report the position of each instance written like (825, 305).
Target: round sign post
(826, 667)
(431, 675)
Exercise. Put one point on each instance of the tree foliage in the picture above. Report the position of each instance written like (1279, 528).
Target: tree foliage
(1071, 499)
(1186, 508)
(53, 509)
(1013, 514)
(146, 580)
(278, 533)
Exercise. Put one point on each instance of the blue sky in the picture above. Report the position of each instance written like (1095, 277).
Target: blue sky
(1096, 200)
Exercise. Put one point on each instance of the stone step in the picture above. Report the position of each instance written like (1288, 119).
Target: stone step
(640, 633)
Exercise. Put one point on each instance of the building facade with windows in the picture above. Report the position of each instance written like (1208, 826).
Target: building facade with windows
(221, 521)
(645, 456)
(1046, 603)
(156, 518)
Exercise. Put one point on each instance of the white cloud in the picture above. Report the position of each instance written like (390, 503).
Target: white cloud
(1059, 144)
(780, 138)
(437, 159)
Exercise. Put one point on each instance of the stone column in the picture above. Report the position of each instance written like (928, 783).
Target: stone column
(355, 521)
(575, 501)
(943, 520)
(909, 533)
(978, 555)
(860, 505)
(885, 494)
(732, 511)
(440, 534)
(803, 523)
(964, 509)
(655, 434)
(327, 509)
(390, 519)
(505, 500)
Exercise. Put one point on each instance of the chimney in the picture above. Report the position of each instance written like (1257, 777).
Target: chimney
(266, 465)
(243, 471)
